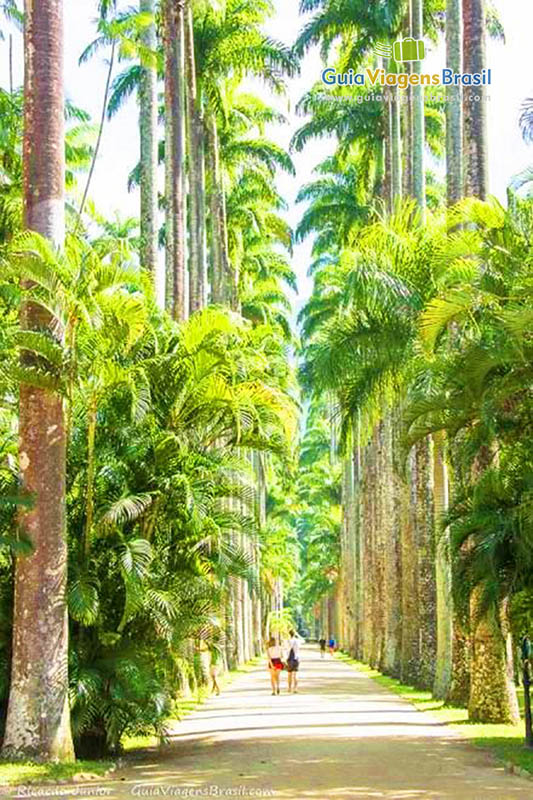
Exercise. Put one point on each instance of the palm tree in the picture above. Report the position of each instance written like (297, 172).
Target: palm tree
(451, 641)
(196, 160)
(475, 113)
(486, 340)
(454, 123)
(148, 114)
(173, 45)
(39, 676)
(229, 45)
(419, 138)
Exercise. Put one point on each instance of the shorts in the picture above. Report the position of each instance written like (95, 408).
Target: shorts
(277, 663)
(293, 666)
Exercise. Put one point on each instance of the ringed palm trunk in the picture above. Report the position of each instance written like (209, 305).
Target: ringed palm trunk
(222, 283)
(492, 692)
(425, 524)
(475, 113)
(410, 661)
(392, 599)
(418, 144)
(492, 689)
(149, 145)
(396, 144)
(380, 545)
(173, 11)
(38, 717)
(443, 670)
(454, 111)
(197, 276)
(455, 685)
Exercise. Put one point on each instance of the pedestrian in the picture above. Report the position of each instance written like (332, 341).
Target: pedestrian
(214, 668)
(322, 642)
(331, 645)
(275, 663)
(293, 660)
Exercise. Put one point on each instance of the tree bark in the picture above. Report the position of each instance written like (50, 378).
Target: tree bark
(221, 278)
(475, 111)
(419, 176)
(174, 157)
(393, 599)
(148, 115)
(410, 661)
(396, 144)
(454, 111)
(425, 537)
(492, 690)
(38, 716)
(197, 276)
(443, 670)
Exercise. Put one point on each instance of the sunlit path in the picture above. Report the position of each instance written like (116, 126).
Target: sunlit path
(343, 736)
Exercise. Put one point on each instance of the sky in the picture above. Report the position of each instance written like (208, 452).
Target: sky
(512, 83)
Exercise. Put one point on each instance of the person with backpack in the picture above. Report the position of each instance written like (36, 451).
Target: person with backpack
(293, 661)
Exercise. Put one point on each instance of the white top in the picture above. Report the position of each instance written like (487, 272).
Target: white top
(274, 652)
(294, 643)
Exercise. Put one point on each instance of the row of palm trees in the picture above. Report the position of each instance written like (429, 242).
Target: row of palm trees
(138, 436)
(402, 336)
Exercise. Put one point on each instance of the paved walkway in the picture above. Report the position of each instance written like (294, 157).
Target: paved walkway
(343, 737)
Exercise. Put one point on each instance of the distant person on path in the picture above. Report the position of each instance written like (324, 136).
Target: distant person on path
(322, 642)
(214, 668)
(275, 663)
(293, 660)
(331, 645)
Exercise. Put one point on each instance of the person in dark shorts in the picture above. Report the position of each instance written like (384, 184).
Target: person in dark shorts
(322, 642)
(293, 661)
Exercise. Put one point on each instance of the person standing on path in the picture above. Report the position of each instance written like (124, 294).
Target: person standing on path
(331, 645)
(275, 663)
(214, 668)
(322, 642)
(293, 661)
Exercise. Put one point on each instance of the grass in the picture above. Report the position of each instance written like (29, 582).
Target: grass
(25, 772)
(505, 742)
(28, 772)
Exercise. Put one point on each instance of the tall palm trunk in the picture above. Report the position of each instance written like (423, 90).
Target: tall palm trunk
(475, 112)
(173, 12)
(197, 276)
(454, 112)
(410, 660)
(391, 663)
(419, 177)
(443, 667)
(38, 717)
(492, 690)
(427, 593)
(221, 289)
(148, 139)
(396, 144)
(450, 640)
